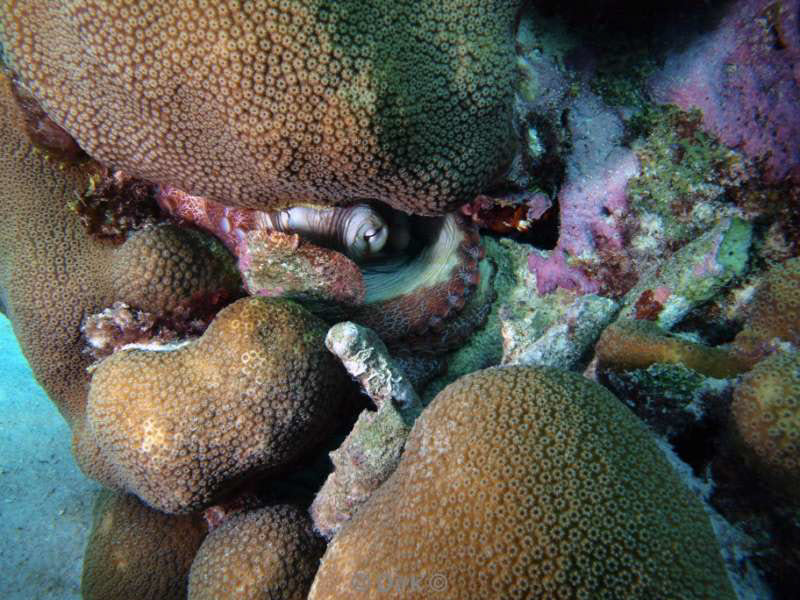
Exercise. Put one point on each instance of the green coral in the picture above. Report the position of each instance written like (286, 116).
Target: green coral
(697, 272)
(684, 174)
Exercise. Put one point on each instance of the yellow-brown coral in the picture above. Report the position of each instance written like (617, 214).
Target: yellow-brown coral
(260, 103)
(51, 272)
(631, 344)
(137, 553)
(766, 414)
(271, 552)
(527, 483)
(775, 314)
(166, 269)
(256, 391)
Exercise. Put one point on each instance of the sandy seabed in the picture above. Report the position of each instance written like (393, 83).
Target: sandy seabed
(45, 501)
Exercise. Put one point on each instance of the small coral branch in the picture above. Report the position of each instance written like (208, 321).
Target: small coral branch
(367, 360)
(371, 452)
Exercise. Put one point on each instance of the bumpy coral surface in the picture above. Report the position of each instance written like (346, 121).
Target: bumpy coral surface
(263, 102)
(269, 553)
(166, 269)
(137, 553)
(175, 427)
(51, 272)
(766, 412)
(628, 345)
(527, 482)
(775, 314)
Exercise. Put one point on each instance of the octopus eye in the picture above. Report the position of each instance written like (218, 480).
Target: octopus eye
(369, 234)
(375, 238)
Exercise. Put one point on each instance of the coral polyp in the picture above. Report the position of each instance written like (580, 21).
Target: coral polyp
(272, 103)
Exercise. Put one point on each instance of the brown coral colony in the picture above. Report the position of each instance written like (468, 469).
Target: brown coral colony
(159, 128)
(230, 224)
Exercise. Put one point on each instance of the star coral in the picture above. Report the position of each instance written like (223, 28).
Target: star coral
(137, 553)
(766, 415)
(179, 427)
(265, 103)
(775, 313)
(270, 552)
(169, 270)
(51, 272)
(527, 482)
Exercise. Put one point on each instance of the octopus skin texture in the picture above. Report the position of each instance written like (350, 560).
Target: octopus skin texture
(411, 299)
(266, 103)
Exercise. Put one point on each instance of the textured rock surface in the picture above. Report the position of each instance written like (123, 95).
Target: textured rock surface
(693, 275)
(263, 103)
(268, 553)
(175, 427)
(562, 343)
(137, 553)
(527, 482)
(277, 264)
(670, 398)
(372, 449)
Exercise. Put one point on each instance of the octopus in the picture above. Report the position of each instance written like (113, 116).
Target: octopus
(407, 277)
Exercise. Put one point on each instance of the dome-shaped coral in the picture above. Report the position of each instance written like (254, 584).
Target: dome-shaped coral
(51, 271)
(166, 268)
(775, 314)
(254, 392)
(137, 553)
(270, 553)
(527, 483)
(766, 413)
(264, 102)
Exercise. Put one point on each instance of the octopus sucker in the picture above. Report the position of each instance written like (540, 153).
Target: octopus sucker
(423, 294)
(357, 231)
(404, 276)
